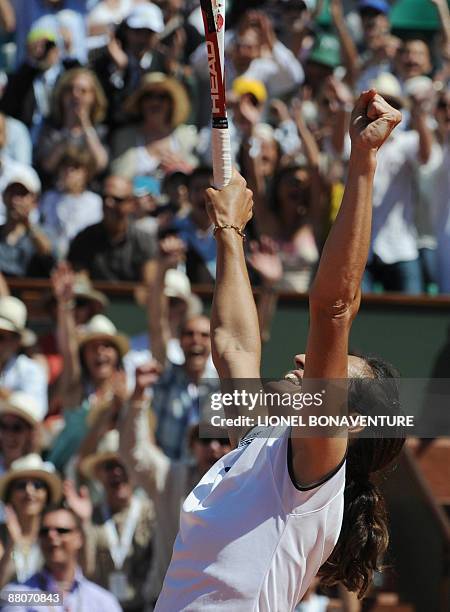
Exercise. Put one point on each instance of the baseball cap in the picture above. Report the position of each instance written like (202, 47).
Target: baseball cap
(146, 185)
(377, 5)
(146, 17)
(326, 50)
(26, 177)
(242, 86)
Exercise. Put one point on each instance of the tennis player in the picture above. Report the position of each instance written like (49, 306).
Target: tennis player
(280, 509)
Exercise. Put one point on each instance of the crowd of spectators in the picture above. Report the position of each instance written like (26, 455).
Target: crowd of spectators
(106, 112)
(104, 159)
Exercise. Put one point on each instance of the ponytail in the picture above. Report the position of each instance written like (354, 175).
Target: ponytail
(363, 539)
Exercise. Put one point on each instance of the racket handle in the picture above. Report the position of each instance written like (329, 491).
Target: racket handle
(221, 156)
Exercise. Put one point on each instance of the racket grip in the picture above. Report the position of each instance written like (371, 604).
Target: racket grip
(221, 156)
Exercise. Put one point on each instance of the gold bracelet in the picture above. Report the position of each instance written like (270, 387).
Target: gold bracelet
(234, 227)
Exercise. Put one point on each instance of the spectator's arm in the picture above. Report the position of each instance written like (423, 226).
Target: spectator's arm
(62, 281)
(419, 121)
(444, 16)
(4, 289)
(95, 147)
(7, 16)
(265, 260)
(40, 240)
(148, 466)
(172, 251)
(348, 47)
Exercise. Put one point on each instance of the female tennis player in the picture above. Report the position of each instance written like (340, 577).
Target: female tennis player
(279, 508)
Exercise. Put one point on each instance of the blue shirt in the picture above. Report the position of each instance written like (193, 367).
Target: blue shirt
(84, 596)
(178, 404)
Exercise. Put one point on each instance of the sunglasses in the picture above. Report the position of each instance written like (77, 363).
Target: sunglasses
(15, 428)
(155, 95)
(115, 199)
(111, 465)
(44, 531)
(21, 485)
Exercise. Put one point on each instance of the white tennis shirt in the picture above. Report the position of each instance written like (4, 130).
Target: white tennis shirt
(249, 540)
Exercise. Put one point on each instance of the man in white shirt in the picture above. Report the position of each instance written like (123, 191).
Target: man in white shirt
(394, 258)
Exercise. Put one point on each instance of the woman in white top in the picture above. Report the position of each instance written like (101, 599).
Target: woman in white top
(277, 510)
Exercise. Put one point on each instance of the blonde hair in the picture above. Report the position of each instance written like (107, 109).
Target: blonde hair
(98, 111)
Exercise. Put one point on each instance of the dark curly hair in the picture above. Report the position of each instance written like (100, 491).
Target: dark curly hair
(364, 535)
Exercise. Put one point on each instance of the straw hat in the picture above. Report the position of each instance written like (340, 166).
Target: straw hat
(13, 314)
(162, 82)
(32, 466)
(101, 328)
(108, 449)
(22, 405)
(83, 288)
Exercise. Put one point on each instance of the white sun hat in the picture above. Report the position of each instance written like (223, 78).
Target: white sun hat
(13, 314)
(32, 466)
(22, 405)
(102, 328)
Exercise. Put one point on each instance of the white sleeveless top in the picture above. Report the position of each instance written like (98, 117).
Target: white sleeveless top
(249, 540)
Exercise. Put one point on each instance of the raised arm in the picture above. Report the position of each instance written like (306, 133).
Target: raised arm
(235, 337)
(70, 383)
(172, 252)
(335, 294)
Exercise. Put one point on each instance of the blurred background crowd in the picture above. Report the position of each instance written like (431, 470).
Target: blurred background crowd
(104, 159)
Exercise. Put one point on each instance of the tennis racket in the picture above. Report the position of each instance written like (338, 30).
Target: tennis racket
(213, 12)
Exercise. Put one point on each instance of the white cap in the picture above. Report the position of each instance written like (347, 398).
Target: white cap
(27, 177)
(177, 285)
(146, 17)
(13, 314)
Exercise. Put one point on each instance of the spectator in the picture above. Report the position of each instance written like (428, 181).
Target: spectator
(196, 231)
(183, 390)
(434, 191)
(324, 58)
(380, 46)
(18, 372)
(70, 207)
(162, 143)
(78, 108)
(9, 166)
(131, 52)
(166, 482)
(87, 303)
(93, 373)
(25, 250)
(28, 92)
(20, 418)
(61, 540)
(254, 52)
(394, 261)
(114, 249)
(66, 17)
(120, 528)
(27, 487)
(105, 15)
